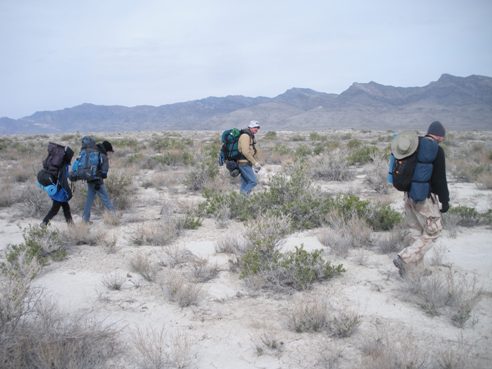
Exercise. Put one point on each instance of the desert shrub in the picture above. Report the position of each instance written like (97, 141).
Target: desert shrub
(354, 143)
(332, 167)
(452, 294)
(295, 269)
(142, 265)
(176, 255)
(485, 180)
(467, 217)
(113, 281)
(383, 218)
(82, 234)
(49, 339)
(308, 316)
(343, 324)
(39, 242)
(8, 196)
(362, 155)
(202, 271)
(270, 135)
(344, 234)
(120, 188)
(159, 349)
(394, 241)
(36, 201)
(158, 233)
(17, 298)
(315, 315)
(377, 173)
(299, 269)
(400, 351)
(183, 292)
(268, 343)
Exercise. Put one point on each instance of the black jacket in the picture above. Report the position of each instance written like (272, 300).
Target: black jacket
(438, 182)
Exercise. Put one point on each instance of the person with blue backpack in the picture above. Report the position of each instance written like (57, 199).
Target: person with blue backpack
(95, 185)
(422, 161)
(60, 191)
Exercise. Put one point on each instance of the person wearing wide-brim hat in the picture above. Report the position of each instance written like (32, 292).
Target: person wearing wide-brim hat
(429, 187)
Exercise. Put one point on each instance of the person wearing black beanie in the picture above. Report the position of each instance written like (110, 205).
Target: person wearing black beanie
(423, 215)
(96, 186)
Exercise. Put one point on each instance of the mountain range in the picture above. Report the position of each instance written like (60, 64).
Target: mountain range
(460, 103)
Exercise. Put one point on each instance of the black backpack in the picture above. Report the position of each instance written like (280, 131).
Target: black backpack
(403, 172)
(51, 164)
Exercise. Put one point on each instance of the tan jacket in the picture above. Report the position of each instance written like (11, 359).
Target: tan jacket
(245, 147)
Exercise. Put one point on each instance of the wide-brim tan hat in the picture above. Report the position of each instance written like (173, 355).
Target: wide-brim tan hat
(404, 144)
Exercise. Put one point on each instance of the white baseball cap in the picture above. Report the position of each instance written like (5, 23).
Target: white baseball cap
(254, 124)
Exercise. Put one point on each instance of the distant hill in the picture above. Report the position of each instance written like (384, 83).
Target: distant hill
(461, 103)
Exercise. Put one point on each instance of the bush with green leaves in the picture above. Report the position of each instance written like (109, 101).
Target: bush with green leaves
(39, 242)
(292, 193)
(467, 217)
(299, 269)
(362, 155)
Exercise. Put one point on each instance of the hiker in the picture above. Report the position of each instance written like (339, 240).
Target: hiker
(248, 165)
(423, 216)
(63, 192)
(96, 186)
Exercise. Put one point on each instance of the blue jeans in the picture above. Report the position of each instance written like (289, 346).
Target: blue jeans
(248, 178)
(91, 194)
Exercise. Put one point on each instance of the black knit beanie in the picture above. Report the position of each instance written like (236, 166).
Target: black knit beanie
(107, 146)
(436, 129)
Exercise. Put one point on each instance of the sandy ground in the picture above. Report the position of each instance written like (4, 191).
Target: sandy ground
(225, 327)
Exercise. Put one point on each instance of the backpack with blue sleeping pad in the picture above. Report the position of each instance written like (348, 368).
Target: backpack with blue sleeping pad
(48, 178)
(87, 165)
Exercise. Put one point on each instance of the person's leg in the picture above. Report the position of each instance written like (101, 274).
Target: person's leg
(428, 216)
(55, 207)
(66, 212)
(91, 193)
(248, 179)
(104, 196)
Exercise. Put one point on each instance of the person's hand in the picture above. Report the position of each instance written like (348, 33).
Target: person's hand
(257, 167)
(444, 207)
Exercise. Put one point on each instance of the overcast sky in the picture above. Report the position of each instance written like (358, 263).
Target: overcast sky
(61, 53)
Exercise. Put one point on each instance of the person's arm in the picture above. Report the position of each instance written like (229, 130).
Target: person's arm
(104, 166)
(439, 183)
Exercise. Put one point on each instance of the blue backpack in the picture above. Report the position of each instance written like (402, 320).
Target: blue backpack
(86, 166)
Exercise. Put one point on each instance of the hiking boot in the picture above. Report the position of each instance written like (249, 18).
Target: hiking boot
(400, 264)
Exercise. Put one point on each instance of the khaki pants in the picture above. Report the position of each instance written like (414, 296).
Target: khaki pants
(425, 224)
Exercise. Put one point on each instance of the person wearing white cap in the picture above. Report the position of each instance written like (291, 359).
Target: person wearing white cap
(428, 188)
(248, 165)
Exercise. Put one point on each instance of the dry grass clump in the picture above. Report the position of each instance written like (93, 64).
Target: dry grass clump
(268, 343)
(36, 201)
(484, 180)
(111, 218)
(393, 241)
(158, 233)
(316, 315)
(444, 293)
(113, 281)
(82, 234)
(8, 196)
(344, 234)
(202, 271)
(231, 245)
(176, 255)
(333, 167)
(180, 290)
(142, 265)
(120, 188)
(398, 351)
(377, 172)
(158, 349)
(35, 335)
